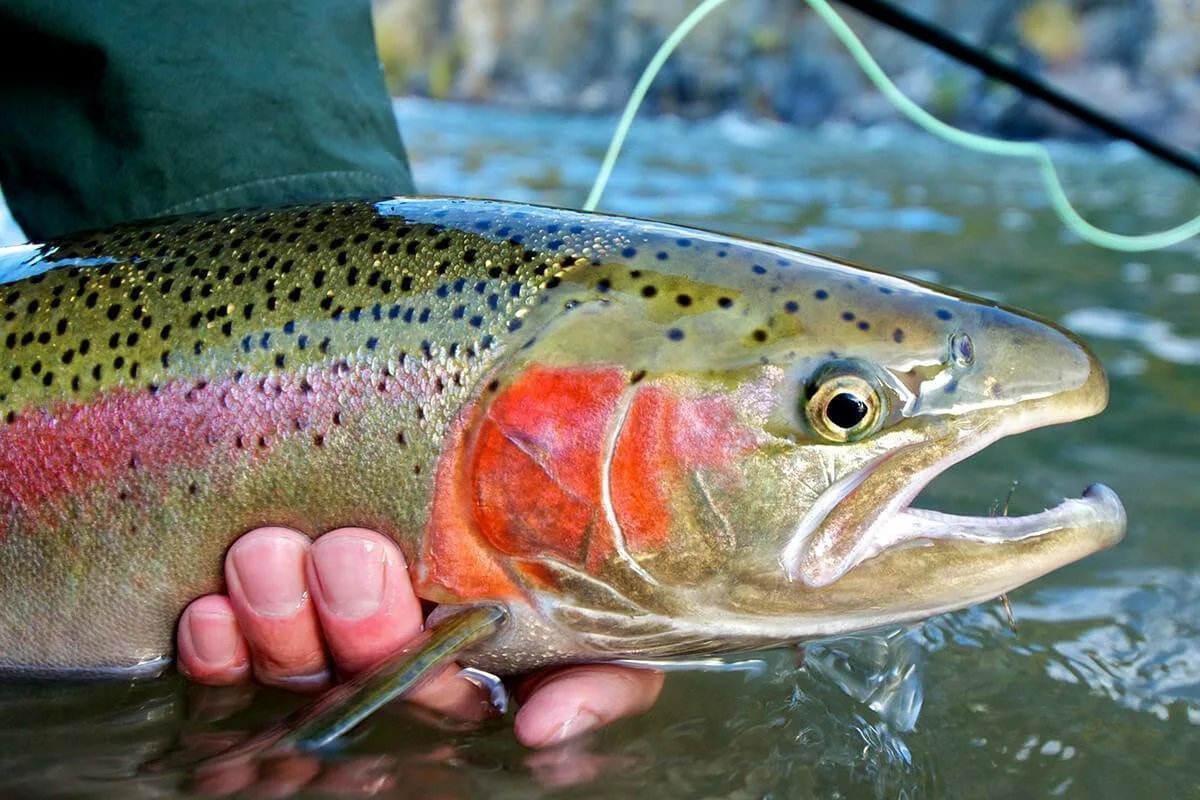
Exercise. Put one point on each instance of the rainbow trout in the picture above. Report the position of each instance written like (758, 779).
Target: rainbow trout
(639, 440)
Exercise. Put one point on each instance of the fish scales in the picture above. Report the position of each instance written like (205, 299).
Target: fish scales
(169, 386)
(598, 422)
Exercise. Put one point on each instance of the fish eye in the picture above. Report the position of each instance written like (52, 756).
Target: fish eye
(843, 404)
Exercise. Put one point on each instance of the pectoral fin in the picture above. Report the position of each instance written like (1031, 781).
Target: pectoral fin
(346, 705)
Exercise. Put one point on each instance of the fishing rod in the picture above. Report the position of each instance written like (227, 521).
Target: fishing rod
(964, 52)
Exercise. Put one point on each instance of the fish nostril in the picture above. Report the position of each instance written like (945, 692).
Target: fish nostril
(962, 350)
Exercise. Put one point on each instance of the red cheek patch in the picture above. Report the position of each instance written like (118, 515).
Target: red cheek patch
(538, 459)
(665, 437)
(526, 483)
(529, 482)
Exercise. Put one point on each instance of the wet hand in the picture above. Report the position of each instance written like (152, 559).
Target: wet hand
(300, 612)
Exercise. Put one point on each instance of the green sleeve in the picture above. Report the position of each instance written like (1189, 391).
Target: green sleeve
(121, 110)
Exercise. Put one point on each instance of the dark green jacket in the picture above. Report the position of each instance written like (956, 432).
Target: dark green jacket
(113, 110)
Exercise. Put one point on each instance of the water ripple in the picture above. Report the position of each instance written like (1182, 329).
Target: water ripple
(1155, 335)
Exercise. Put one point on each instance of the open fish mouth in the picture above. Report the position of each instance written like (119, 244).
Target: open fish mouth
(835, 536)
(1098, 508)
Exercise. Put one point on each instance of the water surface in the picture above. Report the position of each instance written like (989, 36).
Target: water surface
(1095, 693)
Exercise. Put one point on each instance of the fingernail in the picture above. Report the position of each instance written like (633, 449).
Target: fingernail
(270, 574)
(581, 723)
(215, 637)
(351, 573)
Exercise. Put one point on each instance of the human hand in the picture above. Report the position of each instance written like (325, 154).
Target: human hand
(294, 604)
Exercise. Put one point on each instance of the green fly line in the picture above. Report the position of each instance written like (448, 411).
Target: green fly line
(919, 116)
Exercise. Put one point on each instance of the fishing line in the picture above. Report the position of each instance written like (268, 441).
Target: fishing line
(919, 116)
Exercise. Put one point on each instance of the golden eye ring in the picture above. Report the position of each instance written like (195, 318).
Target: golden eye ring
(842, 404)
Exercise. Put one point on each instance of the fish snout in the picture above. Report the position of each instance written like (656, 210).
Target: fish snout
(1039, 365)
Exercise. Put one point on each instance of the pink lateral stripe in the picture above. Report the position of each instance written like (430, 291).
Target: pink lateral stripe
(47, 454)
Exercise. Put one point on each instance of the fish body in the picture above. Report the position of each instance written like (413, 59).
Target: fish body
(641, 440)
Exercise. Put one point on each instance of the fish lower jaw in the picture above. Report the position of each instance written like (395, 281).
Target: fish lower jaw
(1098, 512)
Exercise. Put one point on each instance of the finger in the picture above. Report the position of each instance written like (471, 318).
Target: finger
(212, 704)
(368, 610)
(266, 574)
(455, 696)
(212, 649)
(361, 777)
(363, 596)
(285, 776)
(564, 704)
(224, 778)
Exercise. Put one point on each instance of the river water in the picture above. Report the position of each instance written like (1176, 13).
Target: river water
(1094, 692)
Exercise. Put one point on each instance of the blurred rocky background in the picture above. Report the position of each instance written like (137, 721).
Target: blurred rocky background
(1137, 59)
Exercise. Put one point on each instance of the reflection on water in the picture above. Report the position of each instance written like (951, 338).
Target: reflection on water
(1095, 694)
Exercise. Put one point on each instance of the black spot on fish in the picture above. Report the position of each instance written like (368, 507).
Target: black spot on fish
(848, 316)
(759, 335)
(675, 334)
(791, 306)
(759, 269)
(897, 336)
(943, 314)
(725, 302)
(629, 252)
(821, 294)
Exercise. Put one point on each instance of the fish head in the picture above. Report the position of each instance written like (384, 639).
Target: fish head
(724, 445)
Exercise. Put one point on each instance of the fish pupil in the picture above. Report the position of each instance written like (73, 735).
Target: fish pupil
(846, 411)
